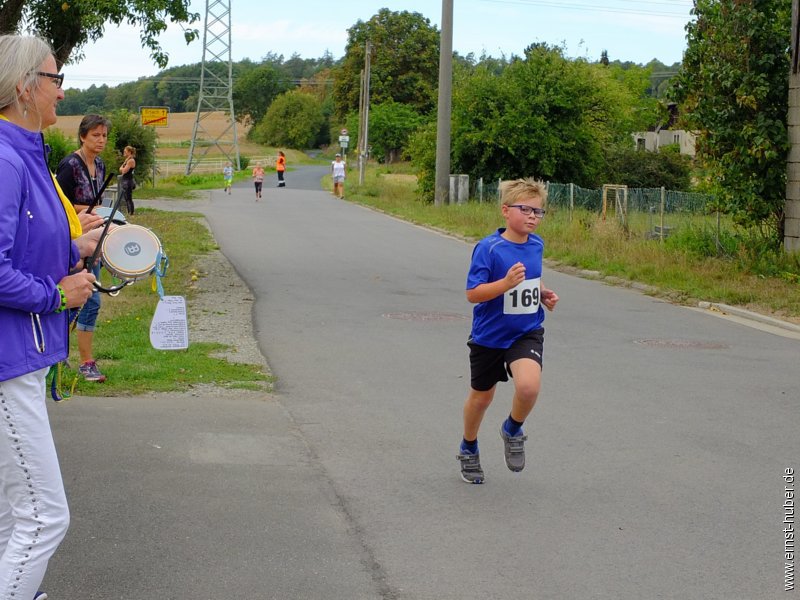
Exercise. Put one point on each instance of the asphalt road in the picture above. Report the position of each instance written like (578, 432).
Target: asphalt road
(655, 460)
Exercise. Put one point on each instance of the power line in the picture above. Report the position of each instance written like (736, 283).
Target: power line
(595, 8)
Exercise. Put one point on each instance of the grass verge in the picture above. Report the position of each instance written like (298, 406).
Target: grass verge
(122, 343)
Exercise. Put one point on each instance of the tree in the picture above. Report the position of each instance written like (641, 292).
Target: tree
(127, 131)
(254, 91)
(545, 116)
(390, 125)
(405, 63)
(733, 92)
(70, 24)
(293, 120)
(642, 169)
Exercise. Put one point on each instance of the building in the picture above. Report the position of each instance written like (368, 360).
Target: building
(665, 135)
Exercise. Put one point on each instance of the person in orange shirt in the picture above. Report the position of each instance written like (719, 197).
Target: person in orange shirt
(280, 167)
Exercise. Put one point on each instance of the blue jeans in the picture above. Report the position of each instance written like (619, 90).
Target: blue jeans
(87, 317)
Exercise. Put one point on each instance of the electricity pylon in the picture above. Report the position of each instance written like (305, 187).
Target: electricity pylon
(216, 87)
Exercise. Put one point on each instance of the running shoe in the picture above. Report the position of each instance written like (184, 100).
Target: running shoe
(90, 372)
(514, 449)
(40, 596)
(471, 471)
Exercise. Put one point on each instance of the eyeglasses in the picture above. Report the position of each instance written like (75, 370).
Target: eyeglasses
(526, 210)
(58, 77)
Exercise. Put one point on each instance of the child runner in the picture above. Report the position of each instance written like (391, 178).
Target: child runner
(504, 282)
(227, 175)
(338, 174)
(258, 179)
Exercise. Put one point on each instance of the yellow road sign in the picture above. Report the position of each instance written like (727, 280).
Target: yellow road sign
(154, 116)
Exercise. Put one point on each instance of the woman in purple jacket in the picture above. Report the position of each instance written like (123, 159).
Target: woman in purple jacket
(41, 241)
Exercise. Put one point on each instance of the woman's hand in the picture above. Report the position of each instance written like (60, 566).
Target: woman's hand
(87, 243)
(89, 221)
(77, 288)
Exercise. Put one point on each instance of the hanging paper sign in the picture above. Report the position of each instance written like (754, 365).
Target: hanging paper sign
(169, 329)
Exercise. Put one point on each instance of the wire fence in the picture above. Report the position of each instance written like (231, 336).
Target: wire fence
(650, 213)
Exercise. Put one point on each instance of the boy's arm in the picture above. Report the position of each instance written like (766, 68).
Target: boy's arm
(489, 291)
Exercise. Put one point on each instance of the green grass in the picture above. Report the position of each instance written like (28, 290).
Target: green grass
(122, 342)
(677, 267)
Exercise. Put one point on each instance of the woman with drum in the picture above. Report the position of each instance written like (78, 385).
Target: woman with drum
(126, 181)
(81, 176)
(40, 240)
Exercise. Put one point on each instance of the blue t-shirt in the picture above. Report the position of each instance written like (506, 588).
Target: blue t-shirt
(498, 323)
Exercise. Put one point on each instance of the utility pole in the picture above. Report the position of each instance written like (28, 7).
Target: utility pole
(791, 228)
(216, 89)
(363, 130)
(442, 190)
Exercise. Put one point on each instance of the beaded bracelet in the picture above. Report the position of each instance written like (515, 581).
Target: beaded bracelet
(63, 305)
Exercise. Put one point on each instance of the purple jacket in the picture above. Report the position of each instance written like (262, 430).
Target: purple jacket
(35, 254)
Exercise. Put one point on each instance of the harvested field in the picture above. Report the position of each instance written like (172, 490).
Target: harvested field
(179, 128)
(175, 139)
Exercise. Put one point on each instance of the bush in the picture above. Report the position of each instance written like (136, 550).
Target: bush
(126, 131)
(293, 120)
(60, 146)
(668, 168)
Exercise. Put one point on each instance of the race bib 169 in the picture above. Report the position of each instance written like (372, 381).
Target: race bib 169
(523, 299)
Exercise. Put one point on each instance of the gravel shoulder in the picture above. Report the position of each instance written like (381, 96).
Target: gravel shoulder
(221, 308)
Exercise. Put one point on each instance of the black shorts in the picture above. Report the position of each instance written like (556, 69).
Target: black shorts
(488, 366)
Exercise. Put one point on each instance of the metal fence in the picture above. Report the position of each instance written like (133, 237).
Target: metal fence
(652, 213)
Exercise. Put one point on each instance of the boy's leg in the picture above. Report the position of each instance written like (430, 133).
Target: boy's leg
(469, 456)
(474, 409)
(527, 375)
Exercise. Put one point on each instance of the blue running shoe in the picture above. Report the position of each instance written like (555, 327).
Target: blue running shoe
(40, 596)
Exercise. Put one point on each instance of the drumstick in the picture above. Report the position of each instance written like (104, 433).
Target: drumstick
(98, 199)
(89, 263)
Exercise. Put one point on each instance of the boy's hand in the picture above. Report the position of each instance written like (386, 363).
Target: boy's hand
(515, 275)
(549, 299)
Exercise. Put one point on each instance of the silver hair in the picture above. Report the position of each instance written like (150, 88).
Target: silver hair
(20, 56)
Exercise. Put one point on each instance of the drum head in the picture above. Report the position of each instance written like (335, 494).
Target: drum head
(105, 212)
(130, 251)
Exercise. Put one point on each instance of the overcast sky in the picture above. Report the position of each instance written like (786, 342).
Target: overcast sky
(635, 30)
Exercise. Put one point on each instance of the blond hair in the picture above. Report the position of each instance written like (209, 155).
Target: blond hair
(514, 190)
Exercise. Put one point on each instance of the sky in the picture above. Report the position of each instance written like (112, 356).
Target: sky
(629, 30)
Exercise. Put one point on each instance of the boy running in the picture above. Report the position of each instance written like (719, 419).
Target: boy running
(504, 282)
